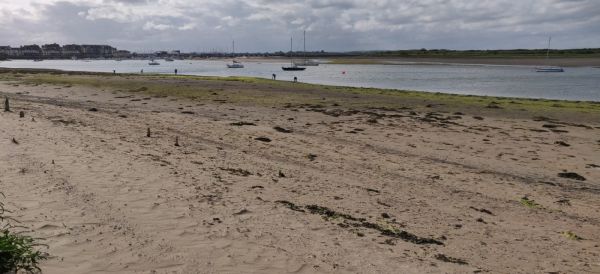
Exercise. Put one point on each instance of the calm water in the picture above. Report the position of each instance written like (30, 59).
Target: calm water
(512, 81)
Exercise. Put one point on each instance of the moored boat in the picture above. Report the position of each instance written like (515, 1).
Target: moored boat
(549, 68)
(293, 66)
(234, 63)
(307, 63)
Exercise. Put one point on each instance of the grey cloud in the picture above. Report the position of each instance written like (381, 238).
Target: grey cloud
(265, 25)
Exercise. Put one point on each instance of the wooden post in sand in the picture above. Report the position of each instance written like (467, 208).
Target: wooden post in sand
(176, 141)
(148, 133)
(6, 105)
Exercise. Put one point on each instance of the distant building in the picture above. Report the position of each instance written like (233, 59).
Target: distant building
(31, 51)
(98, 51)
(52, 51)
(4, 52)
(161, 53)
(122, 54)
(72, 51)
(15, 52)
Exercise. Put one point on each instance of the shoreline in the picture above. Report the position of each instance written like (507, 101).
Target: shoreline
(593, 62)
(6, 70)
(130, 173)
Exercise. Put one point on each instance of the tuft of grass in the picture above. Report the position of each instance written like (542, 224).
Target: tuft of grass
(529, 203)
(18, 252)
(571, 236)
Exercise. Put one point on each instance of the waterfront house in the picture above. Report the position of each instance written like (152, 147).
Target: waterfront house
(72, 51)
(52, 51)
(31, 51)
(98, 51)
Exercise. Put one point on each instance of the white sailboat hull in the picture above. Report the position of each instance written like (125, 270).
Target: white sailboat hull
(235, 65)
(308, 63)
(549, 69)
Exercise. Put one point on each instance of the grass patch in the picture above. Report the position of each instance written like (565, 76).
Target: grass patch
(571, 236)
(18, 252)
(265, 92)
(529, 203)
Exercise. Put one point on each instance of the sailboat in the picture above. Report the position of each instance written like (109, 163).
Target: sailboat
(306, 62)
(293, 66)
(153, 63)
(234, 63)
(549, 68)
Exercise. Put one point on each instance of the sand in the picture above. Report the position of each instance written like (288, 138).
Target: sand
(379, 191)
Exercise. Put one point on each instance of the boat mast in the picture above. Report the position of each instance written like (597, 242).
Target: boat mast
(304, 46)
(292, 50)
(233, 49)
(548, 51)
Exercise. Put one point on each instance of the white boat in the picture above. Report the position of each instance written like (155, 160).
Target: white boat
(153, 63)
(234, 63)
(169, 60)
(306, 62)
(549, 68)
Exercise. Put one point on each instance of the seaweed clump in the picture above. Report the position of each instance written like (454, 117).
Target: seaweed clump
(349, 221)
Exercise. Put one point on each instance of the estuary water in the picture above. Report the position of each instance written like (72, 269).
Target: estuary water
(581, 83)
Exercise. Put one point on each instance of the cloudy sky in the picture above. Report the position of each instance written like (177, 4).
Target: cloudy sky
(332, 25)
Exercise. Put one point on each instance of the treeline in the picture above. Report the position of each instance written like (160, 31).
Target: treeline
(585, 52)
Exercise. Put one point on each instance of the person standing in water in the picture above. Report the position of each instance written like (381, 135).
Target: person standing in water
(274, 76)
(175, 71)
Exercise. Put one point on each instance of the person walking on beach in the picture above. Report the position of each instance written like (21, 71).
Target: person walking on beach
(142, 71)
(175, 71)
(274, 76)
(295, 79)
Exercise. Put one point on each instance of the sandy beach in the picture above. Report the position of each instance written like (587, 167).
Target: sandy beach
(165, 174)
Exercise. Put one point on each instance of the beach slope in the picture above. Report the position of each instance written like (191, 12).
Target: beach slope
(160, 174)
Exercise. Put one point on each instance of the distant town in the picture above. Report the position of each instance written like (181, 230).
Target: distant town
(73, 51)
(56, 51)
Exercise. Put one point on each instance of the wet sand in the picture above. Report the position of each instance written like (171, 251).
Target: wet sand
(299, 188)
